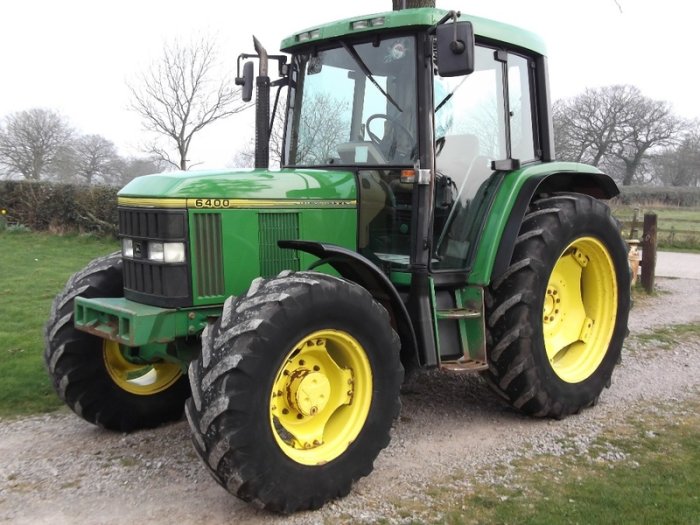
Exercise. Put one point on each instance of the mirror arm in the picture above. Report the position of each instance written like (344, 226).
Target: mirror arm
(454, 15)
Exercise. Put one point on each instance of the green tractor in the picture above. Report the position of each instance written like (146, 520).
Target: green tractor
(419, 220)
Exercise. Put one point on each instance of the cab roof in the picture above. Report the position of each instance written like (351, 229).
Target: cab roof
(407, 18)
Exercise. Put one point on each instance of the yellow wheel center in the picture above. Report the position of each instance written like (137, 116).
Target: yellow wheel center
(142, 379)
(309, 393)
(321, 397)
(579, 309)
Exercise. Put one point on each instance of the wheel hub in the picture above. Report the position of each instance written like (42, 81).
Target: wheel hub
(308, 392)
(321, 397)
(551, 304)
(579, 309)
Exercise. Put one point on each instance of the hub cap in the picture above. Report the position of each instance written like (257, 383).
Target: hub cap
(580, 307)
(321, 397)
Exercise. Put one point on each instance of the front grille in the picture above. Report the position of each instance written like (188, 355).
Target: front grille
(151, 282)
(274, 227)
(208, 255)
(153, 224)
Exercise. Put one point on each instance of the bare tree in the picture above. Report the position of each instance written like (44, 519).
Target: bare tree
(615, 127)
(32, 141)
(94, 158)
(653, 125)
(132, 167)
(679, 165)
(179, 95)
(589, 126)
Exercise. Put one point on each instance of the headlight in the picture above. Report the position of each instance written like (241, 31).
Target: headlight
(169, 252)
(127, 248)
(174, 252)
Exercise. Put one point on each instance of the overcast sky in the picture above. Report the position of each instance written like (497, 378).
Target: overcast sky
(75, 56)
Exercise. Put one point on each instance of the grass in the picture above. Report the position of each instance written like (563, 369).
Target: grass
(34, 268)
(677, 228)
(643, 470)
(667, 337)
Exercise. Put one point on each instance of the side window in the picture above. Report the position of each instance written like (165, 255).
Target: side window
(520, 101)
(470, 132)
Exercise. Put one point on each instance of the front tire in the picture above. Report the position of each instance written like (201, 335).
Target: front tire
(557, 317)
(92, 376)
(296, 390)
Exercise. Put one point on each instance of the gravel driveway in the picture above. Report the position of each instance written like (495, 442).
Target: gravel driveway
(59, 469)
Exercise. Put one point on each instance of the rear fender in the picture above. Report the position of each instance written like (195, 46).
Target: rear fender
(511, 203)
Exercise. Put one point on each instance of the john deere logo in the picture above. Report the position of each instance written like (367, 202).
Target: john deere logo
(138, 249)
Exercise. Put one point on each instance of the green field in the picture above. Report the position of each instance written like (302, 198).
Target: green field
(33, 269)
(678, 228)
(655, 478)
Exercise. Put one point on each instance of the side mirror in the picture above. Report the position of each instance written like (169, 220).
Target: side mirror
(455, 49)
(246, 81)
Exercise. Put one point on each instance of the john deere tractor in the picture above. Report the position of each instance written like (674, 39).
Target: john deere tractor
(419, 220)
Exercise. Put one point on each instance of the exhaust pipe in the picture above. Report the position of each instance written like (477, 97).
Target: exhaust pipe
(262, 110)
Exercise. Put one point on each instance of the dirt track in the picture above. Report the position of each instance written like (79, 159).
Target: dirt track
(59, 469)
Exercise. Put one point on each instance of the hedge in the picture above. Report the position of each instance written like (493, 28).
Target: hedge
(659, 195)
(60, 208)
(63, 208)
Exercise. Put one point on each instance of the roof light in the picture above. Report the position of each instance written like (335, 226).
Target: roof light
(316, 33)
(360, 24)
(376, 22)
(303, 37)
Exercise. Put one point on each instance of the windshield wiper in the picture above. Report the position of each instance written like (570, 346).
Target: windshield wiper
(363, 67)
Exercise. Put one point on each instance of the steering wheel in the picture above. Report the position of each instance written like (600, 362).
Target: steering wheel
(397, 125)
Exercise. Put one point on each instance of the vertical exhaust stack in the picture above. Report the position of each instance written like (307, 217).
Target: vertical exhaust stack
(262, 110)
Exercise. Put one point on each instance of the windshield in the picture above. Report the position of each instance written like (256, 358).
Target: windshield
(354, 104)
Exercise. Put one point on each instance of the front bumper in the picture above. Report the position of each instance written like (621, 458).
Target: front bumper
(135, 324)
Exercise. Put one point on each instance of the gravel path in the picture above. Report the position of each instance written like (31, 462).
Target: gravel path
(59, 469)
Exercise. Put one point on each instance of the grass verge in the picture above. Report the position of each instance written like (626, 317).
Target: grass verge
(33, 269)
(668, 337)
(643, 470)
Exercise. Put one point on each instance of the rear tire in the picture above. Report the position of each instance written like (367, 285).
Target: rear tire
(90, 374)
(557, 317)
(295, 392)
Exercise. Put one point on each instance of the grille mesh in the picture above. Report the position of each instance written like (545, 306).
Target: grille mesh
(208, 255)
(274, 227)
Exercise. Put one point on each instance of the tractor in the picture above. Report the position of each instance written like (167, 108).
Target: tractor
(418, 220)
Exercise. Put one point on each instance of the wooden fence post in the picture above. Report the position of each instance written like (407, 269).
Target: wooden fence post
(649, 252)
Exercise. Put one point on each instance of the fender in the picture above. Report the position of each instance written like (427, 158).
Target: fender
(510, 204)
(360, 270)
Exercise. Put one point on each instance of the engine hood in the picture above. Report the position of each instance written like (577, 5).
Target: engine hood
(194, 188)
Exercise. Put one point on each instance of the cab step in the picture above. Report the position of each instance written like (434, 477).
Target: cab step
(464, 365)
(458, 313)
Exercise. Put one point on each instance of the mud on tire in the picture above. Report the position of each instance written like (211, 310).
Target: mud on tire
(246, 390)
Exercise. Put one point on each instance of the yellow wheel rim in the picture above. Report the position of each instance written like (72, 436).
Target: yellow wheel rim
(139, 379)
(321, 397)
(580, 307)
